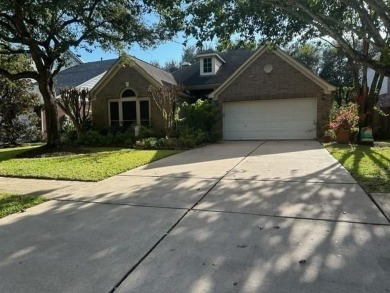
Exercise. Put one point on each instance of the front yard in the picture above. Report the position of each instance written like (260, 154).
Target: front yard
(94, 164)
(370, 166)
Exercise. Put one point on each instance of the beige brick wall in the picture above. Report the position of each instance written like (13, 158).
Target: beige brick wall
(113, 90)
(284, 82)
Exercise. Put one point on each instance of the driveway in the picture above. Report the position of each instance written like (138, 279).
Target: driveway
(274, 216)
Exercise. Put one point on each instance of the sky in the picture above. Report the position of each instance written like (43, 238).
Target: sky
(162, 53)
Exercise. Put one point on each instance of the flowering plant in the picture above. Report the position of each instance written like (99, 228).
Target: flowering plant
(345, 117)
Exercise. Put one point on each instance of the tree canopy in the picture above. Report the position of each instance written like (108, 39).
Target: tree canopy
(17, 121)
(325, 60)
(346, 23)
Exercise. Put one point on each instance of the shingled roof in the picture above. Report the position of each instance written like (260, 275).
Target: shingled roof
(190, 76)
(161, 76)
(187, 76)
(79, 74)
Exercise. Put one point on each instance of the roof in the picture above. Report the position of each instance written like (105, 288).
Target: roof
(190, 75)
(80, 74)
(161, 76)
(155, 75)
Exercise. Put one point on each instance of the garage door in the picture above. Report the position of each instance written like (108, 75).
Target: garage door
(270, 119)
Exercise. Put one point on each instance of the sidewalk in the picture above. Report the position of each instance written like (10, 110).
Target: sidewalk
(383, 200)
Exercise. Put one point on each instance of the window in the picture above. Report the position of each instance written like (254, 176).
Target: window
(114, 113)
(129, 110)
(128, 93)
(129, 113)
(207, 65)
(144, 112)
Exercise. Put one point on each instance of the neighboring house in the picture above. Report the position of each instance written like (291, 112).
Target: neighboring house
(262, 94)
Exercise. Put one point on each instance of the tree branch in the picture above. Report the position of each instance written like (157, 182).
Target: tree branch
(382, 10)
(19, 75)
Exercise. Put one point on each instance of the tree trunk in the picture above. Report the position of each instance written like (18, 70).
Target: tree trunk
(50, 105)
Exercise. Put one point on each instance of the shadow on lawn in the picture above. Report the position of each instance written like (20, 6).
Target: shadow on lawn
(362, 156)
(243, 236)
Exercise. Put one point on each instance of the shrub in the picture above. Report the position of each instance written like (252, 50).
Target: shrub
(345, 117)
(203, 115)
(68, 132)
(90, 138)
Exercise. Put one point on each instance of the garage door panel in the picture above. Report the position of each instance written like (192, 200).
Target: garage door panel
(271, 119)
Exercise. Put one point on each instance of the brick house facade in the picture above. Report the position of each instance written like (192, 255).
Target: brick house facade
(240, 78)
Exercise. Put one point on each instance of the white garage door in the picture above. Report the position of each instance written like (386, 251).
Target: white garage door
(270, 119)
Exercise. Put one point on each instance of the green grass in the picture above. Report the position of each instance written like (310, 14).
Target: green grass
(11, 203)
(98, 164)
(370, 166)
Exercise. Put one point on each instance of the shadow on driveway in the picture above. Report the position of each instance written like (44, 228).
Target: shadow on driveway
(244, 235)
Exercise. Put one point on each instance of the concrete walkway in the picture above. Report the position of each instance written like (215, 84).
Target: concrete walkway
(278, 216)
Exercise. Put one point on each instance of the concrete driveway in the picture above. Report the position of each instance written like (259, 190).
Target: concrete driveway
(275, 216)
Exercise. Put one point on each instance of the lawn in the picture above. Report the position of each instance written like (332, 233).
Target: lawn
(95, 165)
(11, 203)
(370, 166)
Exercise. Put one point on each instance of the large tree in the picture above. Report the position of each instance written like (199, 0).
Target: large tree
(347, 23)
(46, 29)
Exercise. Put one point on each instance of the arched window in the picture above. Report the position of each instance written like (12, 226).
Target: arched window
(129, 110)
(128, 93)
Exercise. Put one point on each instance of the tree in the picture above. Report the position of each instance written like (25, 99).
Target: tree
(155, 63)
(16, 116)
(346, 22)
(327, 61)
(227, 45)
(47, 29)
(76, 104)
(166, 98)
(171, 65)
(189, 54)
(17, 120)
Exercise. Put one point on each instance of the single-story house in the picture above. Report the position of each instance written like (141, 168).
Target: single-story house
(263, 94)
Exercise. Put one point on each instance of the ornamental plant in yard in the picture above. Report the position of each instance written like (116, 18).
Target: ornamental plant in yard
(345, 117)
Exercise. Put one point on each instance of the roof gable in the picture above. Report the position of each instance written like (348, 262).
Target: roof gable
(154, 75)
(288, 59)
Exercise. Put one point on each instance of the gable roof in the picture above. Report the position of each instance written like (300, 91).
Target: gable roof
(328, 88)
(155, 75)
(80, 74)
(189, 76)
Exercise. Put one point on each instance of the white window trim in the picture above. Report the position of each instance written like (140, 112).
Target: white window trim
(212, 66)
(137, 107)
